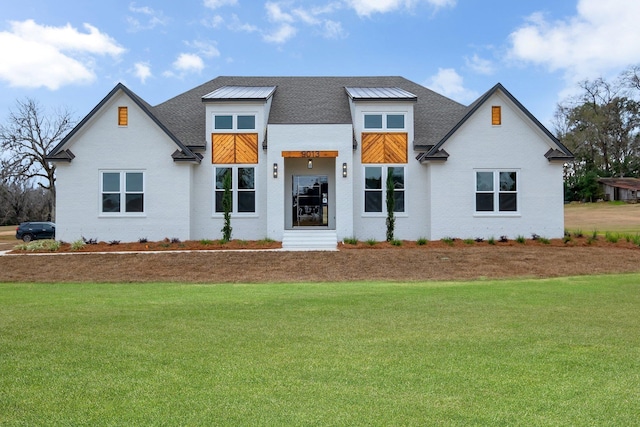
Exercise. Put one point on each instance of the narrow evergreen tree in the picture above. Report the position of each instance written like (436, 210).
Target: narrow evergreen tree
(391, 205)
(227, 204)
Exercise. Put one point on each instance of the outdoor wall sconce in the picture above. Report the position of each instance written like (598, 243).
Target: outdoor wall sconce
(310, 164)
(344, 170)
(275, 170)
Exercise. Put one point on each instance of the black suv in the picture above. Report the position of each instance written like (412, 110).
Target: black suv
(28, 231)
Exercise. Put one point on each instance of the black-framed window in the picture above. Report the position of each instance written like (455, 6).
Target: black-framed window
(497, 191)
(243, 188)
(122, 192)
(375, 188)
(384, 121)
(234, 121)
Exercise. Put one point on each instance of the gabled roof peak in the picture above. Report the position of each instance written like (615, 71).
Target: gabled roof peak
(56, 153)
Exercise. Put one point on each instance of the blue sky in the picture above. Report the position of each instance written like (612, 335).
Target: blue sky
(71, 53)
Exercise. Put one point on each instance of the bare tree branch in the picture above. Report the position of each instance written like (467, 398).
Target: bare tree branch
(27, 136)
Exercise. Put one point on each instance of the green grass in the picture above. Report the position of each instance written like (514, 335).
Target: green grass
(523, 352)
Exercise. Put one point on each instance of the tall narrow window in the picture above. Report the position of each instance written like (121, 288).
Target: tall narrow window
(243, 188)
(375, 188)
(123, 116)
(496, 115)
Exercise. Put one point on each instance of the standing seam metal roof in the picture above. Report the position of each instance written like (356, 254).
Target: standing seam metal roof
(240, 92)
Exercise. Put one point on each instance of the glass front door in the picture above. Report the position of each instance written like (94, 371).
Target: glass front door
(310, 200)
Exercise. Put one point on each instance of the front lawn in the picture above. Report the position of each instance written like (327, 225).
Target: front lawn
(520, 352)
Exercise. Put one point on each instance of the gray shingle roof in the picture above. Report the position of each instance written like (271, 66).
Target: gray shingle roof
(311, 100)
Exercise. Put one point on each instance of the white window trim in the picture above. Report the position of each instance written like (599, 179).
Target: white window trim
(123, 193)
(234, 121)
(384, 121)
(496, 192)
(385, 167)
(234, 191)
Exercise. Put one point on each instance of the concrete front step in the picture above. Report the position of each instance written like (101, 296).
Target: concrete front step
(310, 240)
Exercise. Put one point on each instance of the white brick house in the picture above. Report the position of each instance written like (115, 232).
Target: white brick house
(309, 159)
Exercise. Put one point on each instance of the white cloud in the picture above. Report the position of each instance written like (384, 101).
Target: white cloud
(236, 25)
(153, 18)
(215, 22)
(333, 30)
(286, 19)
(205, 48)
(480, 65)
(449, 83)
(275, 13)
(602, 37)
(368, 7)
(214, 4)
(188, 63)
(281, 35)
(142, 71)
(39, 56)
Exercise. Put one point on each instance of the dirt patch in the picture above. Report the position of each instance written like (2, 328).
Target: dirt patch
(381, 262)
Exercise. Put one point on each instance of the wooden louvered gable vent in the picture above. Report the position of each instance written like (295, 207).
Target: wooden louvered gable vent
(496, 115)
(234, 148)
(123, 116)
(384, 147)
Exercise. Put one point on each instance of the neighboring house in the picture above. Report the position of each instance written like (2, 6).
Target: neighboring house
(309, 158)
(626, 189)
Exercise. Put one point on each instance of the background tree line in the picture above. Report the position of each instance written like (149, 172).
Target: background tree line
(27, 180)
(601, 125)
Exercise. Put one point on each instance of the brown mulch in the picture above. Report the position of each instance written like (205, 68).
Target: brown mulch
(362, 262)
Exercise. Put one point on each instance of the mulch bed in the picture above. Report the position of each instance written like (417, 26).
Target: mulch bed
(455, 260)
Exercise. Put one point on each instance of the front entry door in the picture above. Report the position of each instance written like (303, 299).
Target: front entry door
(310, 200)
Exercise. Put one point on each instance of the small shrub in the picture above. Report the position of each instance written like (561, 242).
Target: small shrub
(594, 235)
(421, 241)
(535, 236)
(114, 242)
(504, 239)
(491, 241)
(566, 239)
(371, 242)
(350, 241)
(142, 240)
(469, 241)
(175, 240)
(39, 245)
(266, 240)
(448, 240)
(205, 242)
(544, 240)
(77, 245)
(90, 241)
(242, 242)
(479, 239)
(396, 242)
(636, 240)
(520, 239)
(612, 237)
(578, 234)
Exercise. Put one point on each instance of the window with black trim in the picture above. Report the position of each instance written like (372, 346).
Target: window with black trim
(234, 121)
(122, 192)
(243, 188)
(496, 191)
(384, 121)
(375, 188)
